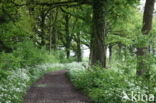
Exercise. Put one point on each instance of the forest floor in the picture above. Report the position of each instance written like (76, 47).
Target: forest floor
(54, 87)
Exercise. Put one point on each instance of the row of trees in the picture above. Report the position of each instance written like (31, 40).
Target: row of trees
(98, 24)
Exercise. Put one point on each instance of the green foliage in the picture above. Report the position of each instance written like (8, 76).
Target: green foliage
(19, 69)
(33, 24)
(30, 54)
(107, 85)
(9, 61)
(14, 86)
(26, 54)
(8, 12)
(113, 39)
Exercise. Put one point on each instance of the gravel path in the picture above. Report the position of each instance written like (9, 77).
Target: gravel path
(54, 88)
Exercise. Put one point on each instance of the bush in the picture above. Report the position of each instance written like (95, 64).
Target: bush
(30, 55)
(9, 61)
(14, 86)
(25, 54)
(19, 69)
(109, 86)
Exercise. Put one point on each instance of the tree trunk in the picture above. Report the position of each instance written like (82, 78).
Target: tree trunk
(50, 39)
(79, 53)
(68, 38)
(98, 47)
(110, 53)
(142, 52)
(54, 39)
(153, 49)
(30, 7)
(42, 35)
(120, 56)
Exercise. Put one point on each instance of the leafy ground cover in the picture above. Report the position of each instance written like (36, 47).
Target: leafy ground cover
(19, 69)
(110, 86)
(16, 78)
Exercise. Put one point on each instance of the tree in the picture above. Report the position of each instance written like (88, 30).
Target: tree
(52, 18)
(142, 52)
(101, 13)
(98, 46)
(7, 14)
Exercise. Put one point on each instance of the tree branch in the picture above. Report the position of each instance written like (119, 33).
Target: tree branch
(55, 4)
(76, 16)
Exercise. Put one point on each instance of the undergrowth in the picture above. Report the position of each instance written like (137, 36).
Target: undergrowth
(20, 68)
(110, 86)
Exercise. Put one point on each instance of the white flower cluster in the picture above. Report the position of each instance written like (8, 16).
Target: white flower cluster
(15, 85)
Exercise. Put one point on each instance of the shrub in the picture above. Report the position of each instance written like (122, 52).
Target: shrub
(107, 85)
(25, 54)
(14, 86)
(29, 53)
(19, 69)
(8, 60)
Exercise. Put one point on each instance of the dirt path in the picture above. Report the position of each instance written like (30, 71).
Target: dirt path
(54, 88)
